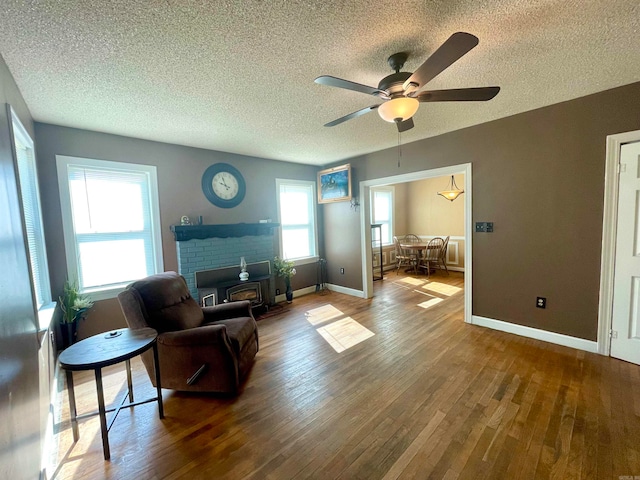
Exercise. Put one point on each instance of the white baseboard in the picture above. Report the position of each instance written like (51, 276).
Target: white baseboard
(455, 269)
(347, 291)
(393, 268)
(51, 447)
(551, 337)
(296, 293)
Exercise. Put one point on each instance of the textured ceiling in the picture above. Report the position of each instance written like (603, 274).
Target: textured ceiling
(238, 76)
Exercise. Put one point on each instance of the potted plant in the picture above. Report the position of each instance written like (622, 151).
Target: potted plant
(74, 306)
(284, 268)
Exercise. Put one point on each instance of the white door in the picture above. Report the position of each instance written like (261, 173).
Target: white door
(625, 339)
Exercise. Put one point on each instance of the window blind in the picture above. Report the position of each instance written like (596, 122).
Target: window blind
(112, 225)
(29, 192)
(382, 213)
(297, 219)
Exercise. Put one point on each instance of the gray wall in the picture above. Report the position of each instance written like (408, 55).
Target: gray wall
(539, 176)
(19, 372)
(180, 172)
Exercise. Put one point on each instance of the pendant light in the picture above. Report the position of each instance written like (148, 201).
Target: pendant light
(453, 192)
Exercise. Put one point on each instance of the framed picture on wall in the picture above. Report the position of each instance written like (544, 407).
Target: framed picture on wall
(334, 184)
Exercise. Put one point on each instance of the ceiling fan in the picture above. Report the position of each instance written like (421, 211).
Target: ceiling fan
(401, 91)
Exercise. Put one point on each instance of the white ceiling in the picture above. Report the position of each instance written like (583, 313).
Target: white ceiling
(238, 76)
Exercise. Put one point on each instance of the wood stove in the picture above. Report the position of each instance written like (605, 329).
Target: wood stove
(246, 291)
(222, 285)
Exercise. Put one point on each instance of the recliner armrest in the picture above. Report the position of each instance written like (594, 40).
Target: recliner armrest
(225, 311)
(205, 335)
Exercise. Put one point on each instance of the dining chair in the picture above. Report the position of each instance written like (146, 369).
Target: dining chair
(443, 254)
(401, 257)
(416, 255)
(412, 238)
(432, 255)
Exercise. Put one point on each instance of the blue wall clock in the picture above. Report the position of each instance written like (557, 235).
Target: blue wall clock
(223, 185)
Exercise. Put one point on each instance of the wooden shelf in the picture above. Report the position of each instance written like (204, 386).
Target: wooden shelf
(376, 251)
(189, 232)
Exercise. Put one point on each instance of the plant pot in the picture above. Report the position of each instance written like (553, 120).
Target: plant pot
(288, 292)
(68, 334)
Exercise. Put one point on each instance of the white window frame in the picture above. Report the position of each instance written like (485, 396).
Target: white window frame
(313, 212)
(63, 162)
(392, 192)
(40, 283)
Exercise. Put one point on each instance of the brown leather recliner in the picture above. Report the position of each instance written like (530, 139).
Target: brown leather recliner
(206, 349)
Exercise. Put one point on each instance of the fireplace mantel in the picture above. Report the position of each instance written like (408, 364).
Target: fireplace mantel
(189, 232)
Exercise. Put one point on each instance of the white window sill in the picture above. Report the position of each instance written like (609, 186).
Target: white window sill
(104, 293)
(45, 316)
(304, 261)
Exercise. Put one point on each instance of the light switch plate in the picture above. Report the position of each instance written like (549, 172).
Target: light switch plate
(484, 227)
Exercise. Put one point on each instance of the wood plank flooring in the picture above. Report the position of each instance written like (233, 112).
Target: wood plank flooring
(426, 397)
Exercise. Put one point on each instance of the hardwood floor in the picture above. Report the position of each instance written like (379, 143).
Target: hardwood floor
(426, 397)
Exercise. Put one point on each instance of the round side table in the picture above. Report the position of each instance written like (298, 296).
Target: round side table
(95, 353)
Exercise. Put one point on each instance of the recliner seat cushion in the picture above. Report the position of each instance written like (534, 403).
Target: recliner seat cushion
(168, 302)
(240, 330)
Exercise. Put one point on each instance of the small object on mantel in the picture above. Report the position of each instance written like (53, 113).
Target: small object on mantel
(184, 220)
(244, 275)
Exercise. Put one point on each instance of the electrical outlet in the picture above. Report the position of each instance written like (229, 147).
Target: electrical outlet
(342, 271)
(541, 302)
(277, 291)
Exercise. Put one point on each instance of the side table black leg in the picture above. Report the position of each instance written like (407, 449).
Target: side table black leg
(72, 405)
(129, 380)
(103, 415)
(156, 364)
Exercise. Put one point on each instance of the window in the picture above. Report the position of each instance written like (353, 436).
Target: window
(111, 223)
(382, 212)
(28, 182)
(296, 206)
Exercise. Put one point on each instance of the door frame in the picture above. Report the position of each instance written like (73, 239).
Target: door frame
(609, 236)
(365, 223)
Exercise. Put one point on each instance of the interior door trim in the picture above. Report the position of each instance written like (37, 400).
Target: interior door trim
(609, 235)
(365, 224)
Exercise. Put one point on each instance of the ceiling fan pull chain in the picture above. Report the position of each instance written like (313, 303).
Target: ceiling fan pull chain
(399, 150)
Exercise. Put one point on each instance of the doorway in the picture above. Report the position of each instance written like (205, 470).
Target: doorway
(365, 223)
(610, 280)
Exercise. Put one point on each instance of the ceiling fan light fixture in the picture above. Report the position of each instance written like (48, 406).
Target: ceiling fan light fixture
(402, 108)
(453, 192)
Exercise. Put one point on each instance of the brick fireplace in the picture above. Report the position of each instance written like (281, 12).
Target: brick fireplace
(208, 247)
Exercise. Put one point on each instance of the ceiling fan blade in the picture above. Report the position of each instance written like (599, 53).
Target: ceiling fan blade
(406, 125)
(351, 115)
(449, 52)
(479, 94)
(348, 85)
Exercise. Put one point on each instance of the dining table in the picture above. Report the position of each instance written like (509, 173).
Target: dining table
(417, 249)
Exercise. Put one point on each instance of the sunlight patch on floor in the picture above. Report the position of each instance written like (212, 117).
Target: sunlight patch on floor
(68, 455)
(410, 281)
(430, 303)
(322, 314)
(344, 334)
(441, 288)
